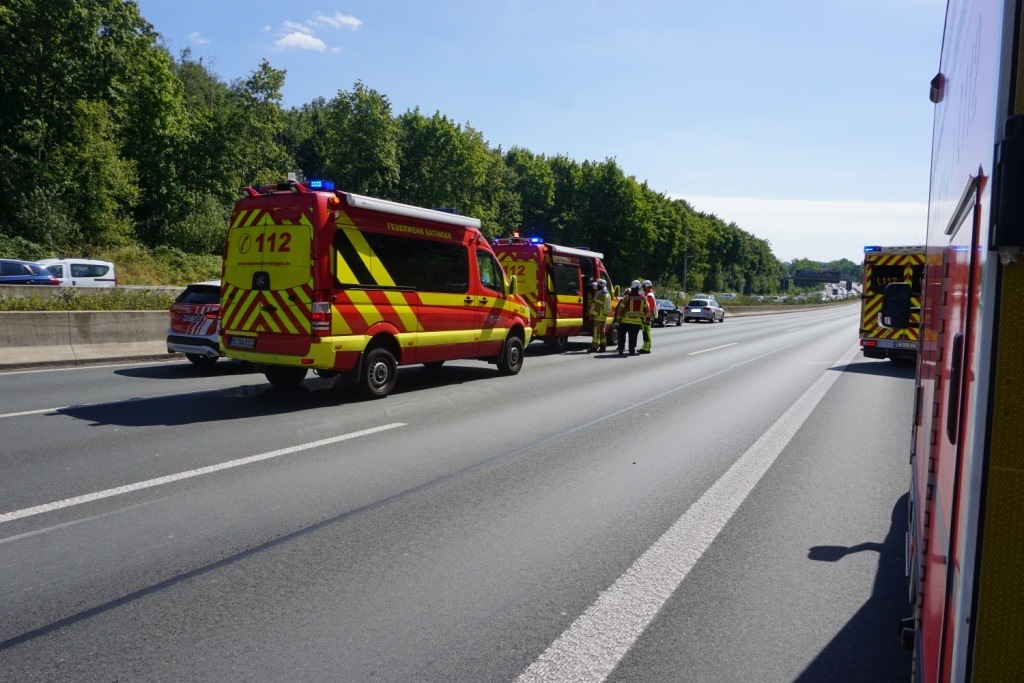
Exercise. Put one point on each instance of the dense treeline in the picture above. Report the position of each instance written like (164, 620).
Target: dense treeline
(109, 141)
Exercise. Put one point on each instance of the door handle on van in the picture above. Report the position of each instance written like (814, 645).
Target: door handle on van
(483, 299)
(469, 299)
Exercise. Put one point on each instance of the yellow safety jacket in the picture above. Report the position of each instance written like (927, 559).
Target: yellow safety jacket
(633, 309)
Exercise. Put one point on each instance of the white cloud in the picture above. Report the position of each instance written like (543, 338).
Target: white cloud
(301, 41)
(339, 20)
(817, 229)
(293, 26)
(196, 37)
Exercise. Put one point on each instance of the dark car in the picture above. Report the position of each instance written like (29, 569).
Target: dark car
(667, 312)
(25, 273)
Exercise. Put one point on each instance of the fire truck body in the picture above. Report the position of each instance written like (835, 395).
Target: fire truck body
(345, 284)
(966, 521)
(883, 266)
(556, 283)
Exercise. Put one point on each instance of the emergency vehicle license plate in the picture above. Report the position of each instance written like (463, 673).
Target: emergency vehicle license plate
(191, 318)
(905, 345)
(242, 342)
(694, 310)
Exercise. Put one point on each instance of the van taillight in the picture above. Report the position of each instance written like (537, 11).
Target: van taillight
(321, 313)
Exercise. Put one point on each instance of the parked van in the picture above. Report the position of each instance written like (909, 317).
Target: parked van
(81, 272)
(349, 285)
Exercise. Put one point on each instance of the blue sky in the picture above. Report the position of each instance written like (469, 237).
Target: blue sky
(805, 122)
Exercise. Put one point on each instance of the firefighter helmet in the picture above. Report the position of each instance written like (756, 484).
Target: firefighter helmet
(635, 284)
(647, 284)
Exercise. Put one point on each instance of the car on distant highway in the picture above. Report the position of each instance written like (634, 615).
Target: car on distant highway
(81, 272)
(195, 323)
(667, 312)
(703, 309)
(14, 272)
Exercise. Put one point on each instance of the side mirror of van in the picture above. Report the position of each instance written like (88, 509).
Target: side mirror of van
(895, 306)
(512, 286)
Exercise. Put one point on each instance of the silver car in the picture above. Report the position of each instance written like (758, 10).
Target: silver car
(703, 309)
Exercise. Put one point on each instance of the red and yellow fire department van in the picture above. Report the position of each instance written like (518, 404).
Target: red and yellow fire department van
(884, 266)
(556, 283)
(965, 543)
(345, 284)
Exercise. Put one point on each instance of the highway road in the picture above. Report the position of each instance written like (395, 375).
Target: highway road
(729, 508)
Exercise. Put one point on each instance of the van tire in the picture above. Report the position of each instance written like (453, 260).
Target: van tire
(201, 360)
(510, 362)
(557, 344)
(613, 334)
(379, 373)
(285, 378)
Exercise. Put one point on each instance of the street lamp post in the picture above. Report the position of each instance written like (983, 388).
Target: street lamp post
(685, 261)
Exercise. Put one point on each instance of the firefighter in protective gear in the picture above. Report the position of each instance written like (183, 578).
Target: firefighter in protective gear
(631, 312)
(649, 321)
(600, 307)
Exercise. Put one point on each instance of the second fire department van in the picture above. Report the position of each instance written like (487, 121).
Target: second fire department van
(884, 266)
(556, 282)
(344, 284)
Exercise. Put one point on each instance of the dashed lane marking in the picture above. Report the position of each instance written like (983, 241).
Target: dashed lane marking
(149, 483)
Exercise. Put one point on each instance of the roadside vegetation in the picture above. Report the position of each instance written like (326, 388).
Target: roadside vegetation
(114, 148)
(92, 299)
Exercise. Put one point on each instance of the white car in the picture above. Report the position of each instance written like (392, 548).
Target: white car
(81, 272)
(703, 309)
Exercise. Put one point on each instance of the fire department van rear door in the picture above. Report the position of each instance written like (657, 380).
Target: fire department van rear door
(568, 294)
(268, 283)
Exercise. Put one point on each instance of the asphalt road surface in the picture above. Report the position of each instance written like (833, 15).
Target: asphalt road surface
(728, 508)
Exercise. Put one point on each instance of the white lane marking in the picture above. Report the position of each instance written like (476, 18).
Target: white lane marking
(713, 348)
(33, 412)
(66, 368)
(133, 399)
(592, 646)
(794, 329)
(149, 483)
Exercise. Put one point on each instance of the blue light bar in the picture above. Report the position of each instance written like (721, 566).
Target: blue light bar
(323, 185)
(872, 249)
(537, 240)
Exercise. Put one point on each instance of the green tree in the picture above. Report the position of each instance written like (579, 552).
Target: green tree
(361, 146)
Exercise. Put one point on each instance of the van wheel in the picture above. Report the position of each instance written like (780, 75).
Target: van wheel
(200, 360)
(285, 378)
(613, 335)
(557, 344)
(511, 360)
(380, 372)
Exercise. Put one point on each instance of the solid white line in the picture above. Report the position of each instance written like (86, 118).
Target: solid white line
(591, 648)
(794, 329)
(149, 483)
(713, 348)
(93, 366)
(33, 412)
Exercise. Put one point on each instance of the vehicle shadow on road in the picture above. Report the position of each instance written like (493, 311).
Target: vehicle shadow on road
(182, 370)
(853, 655)
(880, 368)
(257, 400)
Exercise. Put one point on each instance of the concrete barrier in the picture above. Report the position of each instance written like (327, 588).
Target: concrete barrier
(70, 337)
